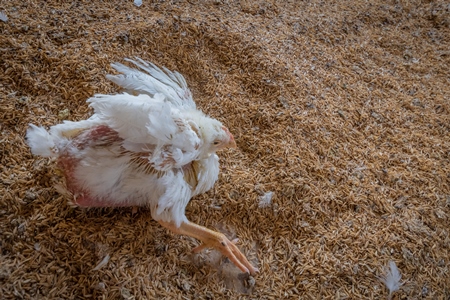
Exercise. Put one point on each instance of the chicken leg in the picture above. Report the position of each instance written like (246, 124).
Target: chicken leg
(212, 239)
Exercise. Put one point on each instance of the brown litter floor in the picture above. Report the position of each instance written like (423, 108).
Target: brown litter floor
(340, 108)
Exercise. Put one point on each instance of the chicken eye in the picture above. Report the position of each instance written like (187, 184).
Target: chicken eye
(216, 143)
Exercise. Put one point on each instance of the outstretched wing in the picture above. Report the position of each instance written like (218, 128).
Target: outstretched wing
(150, 126)
(151, 80)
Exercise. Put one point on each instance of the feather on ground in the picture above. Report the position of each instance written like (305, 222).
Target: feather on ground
(391, 278)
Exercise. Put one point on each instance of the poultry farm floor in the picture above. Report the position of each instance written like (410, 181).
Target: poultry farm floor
(340, 108)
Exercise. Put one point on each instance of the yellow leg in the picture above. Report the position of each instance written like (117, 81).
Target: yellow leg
(213, 239)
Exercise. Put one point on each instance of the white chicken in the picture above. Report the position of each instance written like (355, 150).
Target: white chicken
(147, 147)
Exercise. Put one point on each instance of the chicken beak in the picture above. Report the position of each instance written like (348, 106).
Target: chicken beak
(231, 142)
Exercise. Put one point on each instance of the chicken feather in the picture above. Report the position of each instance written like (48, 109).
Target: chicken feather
(391, 278)
(154, 81)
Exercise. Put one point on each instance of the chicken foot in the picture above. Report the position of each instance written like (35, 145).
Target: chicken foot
(213, 239)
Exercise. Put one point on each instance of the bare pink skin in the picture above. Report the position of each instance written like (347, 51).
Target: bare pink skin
(67, 164)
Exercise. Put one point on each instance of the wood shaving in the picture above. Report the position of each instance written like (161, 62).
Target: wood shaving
(340, 108)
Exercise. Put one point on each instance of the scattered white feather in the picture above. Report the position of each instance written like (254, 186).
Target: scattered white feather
(103, 263)
(265, 200)
(100, 286)
(37, 247)
(3, 16)
(138, 2)
(391, 278)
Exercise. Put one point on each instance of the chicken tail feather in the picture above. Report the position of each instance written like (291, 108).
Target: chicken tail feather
(40, 141)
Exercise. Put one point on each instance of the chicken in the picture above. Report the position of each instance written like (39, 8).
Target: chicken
(149, 146)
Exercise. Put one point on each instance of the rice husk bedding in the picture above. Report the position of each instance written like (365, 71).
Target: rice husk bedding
(339, 108)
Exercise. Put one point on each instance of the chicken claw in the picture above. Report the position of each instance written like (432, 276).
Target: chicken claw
(216, 240)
